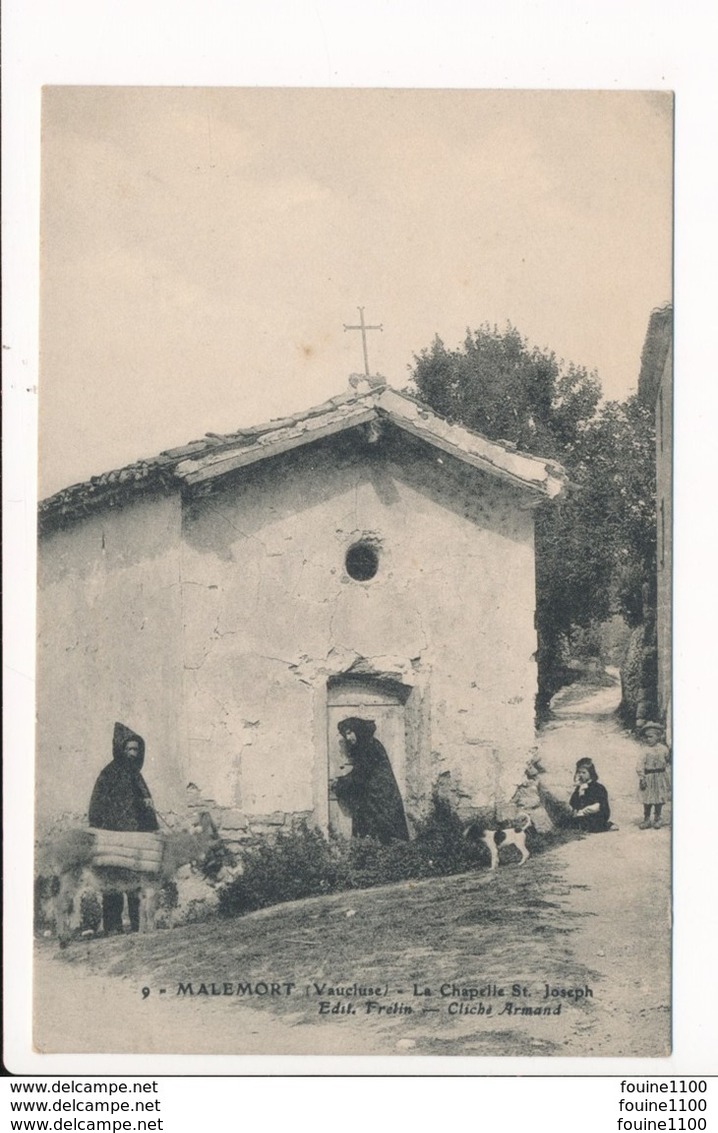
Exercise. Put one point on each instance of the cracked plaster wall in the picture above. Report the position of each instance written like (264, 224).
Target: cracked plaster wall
(109, 648)
(270, 614)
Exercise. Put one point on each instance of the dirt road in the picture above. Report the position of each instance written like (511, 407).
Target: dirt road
(592, 913)
(626, 872)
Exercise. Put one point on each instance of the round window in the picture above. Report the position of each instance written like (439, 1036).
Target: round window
(362, 561)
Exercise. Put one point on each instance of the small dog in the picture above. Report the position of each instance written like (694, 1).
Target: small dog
(505, 834)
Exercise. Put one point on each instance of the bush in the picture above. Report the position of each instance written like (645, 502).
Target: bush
(303, 862)
(298, 863)
(639, 677)
(440, 839)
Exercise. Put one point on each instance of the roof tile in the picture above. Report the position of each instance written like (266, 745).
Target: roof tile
(212, 455)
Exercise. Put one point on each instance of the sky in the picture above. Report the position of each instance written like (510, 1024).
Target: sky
(202, 249)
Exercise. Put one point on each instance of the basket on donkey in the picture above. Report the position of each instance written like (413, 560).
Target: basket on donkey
(138, 852)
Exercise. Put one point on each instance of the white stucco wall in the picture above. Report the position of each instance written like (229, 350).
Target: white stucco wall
(270, 614)
(109, 648)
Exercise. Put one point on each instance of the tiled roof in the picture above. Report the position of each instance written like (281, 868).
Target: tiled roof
(219, 453)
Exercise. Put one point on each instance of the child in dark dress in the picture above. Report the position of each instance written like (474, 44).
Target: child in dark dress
(589, 802)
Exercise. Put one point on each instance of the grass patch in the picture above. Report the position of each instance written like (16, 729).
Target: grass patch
(514, 925)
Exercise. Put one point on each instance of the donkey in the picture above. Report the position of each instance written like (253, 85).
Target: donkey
(72, 859)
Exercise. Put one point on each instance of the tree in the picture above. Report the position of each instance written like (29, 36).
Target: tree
(616, 465)
(595, 549)
(507, 390)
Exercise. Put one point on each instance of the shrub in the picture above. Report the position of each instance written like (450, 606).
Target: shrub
(298, 863)
(440, 838)
(302, 862)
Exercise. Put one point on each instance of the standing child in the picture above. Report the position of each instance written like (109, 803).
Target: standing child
(653, 774)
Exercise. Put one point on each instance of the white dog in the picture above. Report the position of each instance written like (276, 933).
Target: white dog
(505, 834)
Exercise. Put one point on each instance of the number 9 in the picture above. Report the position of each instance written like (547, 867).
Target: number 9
(145, 992)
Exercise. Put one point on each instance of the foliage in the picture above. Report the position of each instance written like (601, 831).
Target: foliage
(297, 863)
(639, 676)
(501, 387)
(302, 862)
(615, 465)
(595, 548)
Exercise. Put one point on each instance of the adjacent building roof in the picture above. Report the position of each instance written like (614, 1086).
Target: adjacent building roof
(368, 400)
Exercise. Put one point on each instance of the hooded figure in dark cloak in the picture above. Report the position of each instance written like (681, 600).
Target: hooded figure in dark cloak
(121, 801)
(369, 792)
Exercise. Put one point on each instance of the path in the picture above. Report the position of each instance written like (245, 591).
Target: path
(626, 871)
(584, 723)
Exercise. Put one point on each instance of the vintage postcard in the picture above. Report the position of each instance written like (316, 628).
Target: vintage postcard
(354, 720)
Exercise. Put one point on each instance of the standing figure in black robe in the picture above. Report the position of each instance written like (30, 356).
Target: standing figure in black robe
(121, 801)
(369, 792)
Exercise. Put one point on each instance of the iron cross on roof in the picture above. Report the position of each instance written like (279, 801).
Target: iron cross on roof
(364, 327)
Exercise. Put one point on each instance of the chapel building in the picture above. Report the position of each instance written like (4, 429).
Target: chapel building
(234, 599)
